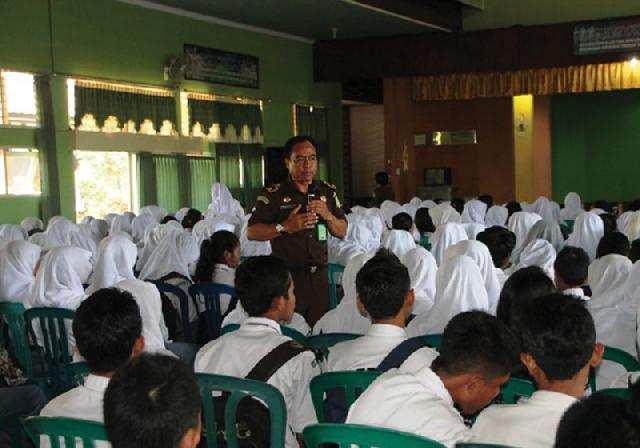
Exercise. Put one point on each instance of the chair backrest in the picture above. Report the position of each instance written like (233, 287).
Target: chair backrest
(333, 270)
(327, 340)
(568, 225)
(239, 388)
(210, 293)
(51, 323)
(183, 299)
(363, 436)
(516, 388)
(350, 385)
(629, 362)
(13, 314)
(623, 393)
(432, 340)
(424, 242)
(70, 429)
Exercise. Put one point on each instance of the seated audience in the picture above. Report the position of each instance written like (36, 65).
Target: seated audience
(501, 243)
(571, 270)
(613, 243)
(191, 218)
(18, 264)
(402, 221)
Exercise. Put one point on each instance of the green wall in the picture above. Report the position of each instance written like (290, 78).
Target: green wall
(108, 39)
(595, 139)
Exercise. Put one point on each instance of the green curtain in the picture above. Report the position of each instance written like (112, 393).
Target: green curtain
(209, 112)
(124, 105)
(315, 125)
(167, 183)
(203, 175)
(228, 167)
(147, 179)
(252, 165)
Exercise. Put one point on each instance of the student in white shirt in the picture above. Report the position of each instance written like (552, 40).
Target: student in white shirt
(476, 358)
(108, 331)
(266, 291)
(571, 271)
(500, 241)
(384, 294)
(153, 402)
(558, 349)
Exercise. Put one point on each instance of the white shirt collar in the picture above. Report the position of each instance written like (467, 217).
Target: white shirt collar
(578, 292)
(386, 330)
(433, 382)
(551, 399)
(222, 267)
(96, 383)
(253, 323)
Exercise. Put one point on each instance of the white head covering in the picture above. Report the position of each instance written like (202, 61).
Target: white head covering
(29, 224)
(116, 257)
(59, 232)
(443, 214)
(79, 239)
(474, 211)
(544, 208)
(415, 201)
(109, 217)
(181, 213)
(18, 261)
(399, 242)
(427, 204)
(121, 224)
(358, 210)
(587, 232)
(12, 232)
(140, 224)
(40, 239)
(496, 216)
(177, 252)
(422, 271)
(358, 238)
(538, 253)
(480, 254)
(251, 248)
(472, 229)
(520, 223)
(459, 288)
(555, 210)
(526, 207)
(572, 207)
(389, 209)
(153, 237)
(375, 224)
(607, 278)
(59, 282)
(543, 230)
(99, 229)
(633, 227)
(623, 222)
(157, 212)
(446, 235)
(87, 219)
(222, 203)
(632, 289)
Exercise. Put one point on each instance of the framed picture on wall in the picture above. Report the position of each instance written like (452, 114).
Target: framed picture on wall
(221, 67)
(437, 176)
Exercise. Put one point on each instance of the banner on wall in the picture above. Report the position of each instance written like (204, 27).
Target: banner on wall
(619, 36)
(221, 67)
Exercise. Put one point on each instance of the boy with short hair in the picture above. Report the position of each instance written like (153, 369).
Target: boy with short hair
(108, 333)
(571, 270)
(266, 291)
(501, 242)
(558, 349)
(476, 358)
(402, 221)
(153, 402)
(384, 294)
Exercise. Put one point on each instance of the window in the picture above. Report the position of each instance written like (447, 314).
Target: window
(18, 105)
(20, 171)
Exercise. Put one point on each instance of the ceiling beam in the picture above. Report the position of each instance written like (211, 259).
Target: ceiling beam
(438, 14)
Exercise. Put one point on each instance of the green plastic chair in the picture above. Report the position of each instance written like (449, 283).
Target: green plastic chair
(568, 225)
(363, 436)
(352, 383)
(240, 388)
(424, 242)
(516, 388)
(629, 362)
(13, 314)
(432, 340)
(70, 429)
(55, 342)
(481, 445)
(333, 270)
(327, 340)
(287, 331)
(615, 392)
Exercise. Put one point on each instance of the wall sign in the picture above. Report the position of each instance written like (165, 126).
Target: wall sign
(617, 36)
(221, 67)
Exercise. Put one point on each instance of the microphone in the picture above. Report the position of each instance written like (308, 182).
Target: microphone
(312, 193)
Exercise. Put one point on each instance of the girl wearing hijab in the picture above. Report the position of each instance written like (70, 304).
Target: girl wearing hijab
(32, 225)
(520, 224)
(474, 212)
(139, 225)
(587, 232)
(538, 253)
(446, 235)
(496, 216)
(18, 263)
(222, 203)
(542, 230)
(12, 232)
(443, 214)
(422, 271)
(459, 288)
(572, 207)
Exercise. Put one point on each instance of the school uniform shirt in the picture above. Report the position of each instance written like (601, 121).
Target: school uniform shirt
(224, 275)
(417, 403)
(530, 425)
(502, 277)
(576, 292)
(238, 352)
(368, 351)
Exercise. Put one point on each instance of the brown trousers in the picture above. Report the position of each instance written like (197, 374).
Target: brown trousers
(312, 294)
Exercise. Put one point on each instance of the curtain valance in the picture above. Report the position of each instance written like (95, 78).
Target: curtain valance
(225, 122)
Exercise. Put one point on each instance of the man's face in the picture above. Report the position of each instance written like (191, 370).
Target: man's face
(480, 393)
(303, 164)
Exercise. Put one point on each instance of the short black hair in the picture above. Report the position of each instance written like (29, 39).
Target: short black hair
(383, 284)
(572, 265)
(212, 253)
(558, 331)
(602, 420)
(151, 402)
(634, 253)
(296, 140)
(500, 242)
(610, 223)
(402, 221)
(191, 218)
(487, 199)
(513, 207)
(423, 220)
(168, 218)
(382, 178)
(458, 204)
(475, 341)
(522, 287)
(613, 243)
(603, 205)
(259, 280)
(106, 326)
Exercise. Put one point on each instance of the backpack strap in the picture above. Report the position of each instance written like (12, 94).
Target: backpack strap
(400, 353)
(172, 275)
(275, 359)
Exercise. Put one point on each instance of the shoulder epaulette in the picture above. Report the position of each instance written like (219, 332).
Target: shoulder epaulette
(273, 188)
(333, 187)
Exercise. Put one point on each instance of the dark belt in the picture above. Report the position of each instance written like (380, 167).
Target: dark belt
(311, 269)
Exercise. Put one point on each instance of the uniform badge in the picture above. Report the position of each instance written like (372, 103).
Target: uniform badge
(323, 198)
(263, 199)
(286, 199)
(273, 189)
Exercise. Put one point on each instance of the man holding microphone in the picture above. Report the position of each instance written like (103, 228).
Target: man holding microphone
(297, 217)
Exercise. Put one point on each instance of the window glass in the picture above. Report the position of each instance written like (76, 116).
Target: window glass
(22, 171)
(19, 99)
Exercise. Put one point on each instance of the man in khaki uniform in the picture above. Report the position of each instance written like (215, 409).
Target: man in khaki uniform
(297, 216)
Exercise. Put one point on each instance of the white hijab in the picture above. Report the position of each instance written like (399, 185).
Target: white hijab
(222, 203)
(389, 209)
(496, 216)
(415, 201)
(422, 271)
(632, 290)
(81, 240)
(427, 204)
(157, 212)
(480, 254)
(99, 229)
(623, 222)
(177, 252)
(443, 214)
(607, 278)
(12, 232)
(153, 237)
(543, 230)
(29, 224)
(399, 242)
(543, 207)
(59, 232)
(251, 248)
(115, 260)
(140, 224)
(59, 282)
(446, 235)
(18, 261)
(587, 232)
(520, 223)
(538, 253)
(473, 228)
(474, 212)
(121, 224)
(459, 288)
(572, 207)
(633, 227)
(180, 214)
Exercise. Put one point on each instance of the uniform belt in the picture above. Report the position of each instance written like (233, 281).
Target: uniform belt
(312, 269)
